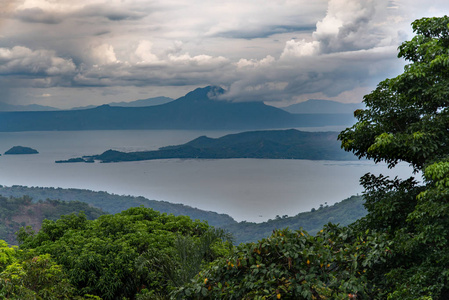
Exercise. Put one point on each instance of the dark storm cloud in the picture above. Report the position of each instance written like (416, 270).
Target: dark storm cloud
(248, 46)
(110, 13)
(37, 15)
(246, 33)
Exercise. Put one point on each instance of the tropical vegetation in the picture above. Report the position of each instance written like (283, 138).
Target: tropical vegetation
(397, 251)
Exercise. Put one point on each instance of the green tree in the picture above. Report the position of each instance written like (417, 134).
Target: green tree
(24, 275)
(407, 120)
(100, 256)
(399, 249)
(292, 265)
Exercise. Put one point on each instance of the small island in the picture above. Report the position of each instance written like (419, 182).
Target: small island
(21, 150)
(268, 144)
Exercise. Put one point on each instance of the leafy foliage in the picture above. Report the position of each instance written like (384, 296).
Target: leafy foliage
(26, 276)
(293, 265)
(407, 119)
(100, 256)
(399, 249)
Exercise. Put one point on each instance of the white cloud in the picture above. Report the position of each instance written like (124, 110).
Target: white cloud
(265, 62)
(300, 48)
(24, 61)
(103, 54)
(143, 52)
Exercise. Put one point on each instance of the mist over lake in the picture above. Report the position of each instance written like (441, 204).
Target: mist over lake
(246, 189)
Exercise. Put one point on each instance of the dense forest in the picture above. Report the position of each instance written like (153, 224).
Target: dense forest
(397, 251)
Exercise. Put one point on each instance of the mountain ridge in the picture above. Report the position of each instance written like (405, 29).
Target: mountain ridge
(263, 144)
(343, 212)
(317, 106)
(194, 111)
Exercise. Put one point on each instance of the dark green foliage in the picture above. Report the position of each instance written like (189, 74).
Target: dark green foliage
(399, 249)
(272, 144)
(293, 265)
(407, 116)
(100, 256)
(407, 119)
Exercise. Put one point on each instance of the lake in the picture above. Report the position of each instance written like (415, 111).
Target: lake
(247, 189)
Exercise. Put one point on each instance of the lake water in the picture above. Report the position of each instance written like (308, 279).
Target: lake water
(247, 189)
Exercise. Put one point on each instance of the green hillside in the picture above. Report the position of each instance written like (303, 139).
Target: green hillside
(344, 212)
(20, 212)
(115, 203)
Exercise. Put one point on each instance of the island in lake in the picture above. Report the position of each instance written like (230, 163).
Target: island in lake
(21, 150)
(269, 144)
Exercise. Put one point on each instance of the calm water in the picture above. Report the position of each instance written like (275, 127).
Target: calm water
(246, 189)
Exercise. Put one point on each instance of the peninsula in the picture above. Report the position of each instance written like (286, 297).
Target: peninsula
(269, 144)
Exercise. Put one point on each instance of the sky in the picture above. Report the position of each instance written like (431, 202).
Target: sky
(66, 53)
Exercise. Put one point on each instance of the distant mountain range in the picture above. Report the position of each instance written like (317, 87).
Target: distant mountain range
(343, 213)
(31, 107)
(314, 106)
(136, 103)
(271, 144)
(198, 109)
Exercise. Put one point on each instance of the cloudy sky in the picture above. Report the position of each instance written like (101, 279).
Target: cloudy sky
(67, 53)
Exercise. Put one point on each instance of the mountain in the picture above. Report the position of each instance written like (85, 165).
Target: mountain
(18, 212)
(112, 203)
(272, 144)
(343, 213)
(198, 110)
(136, 103)
(314, 106)
(30, 107)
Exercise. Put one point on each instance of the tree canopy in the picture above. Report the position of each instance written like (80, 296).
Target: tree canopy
(399, 249)
(118, 256)
(407, 120)
(407, 117)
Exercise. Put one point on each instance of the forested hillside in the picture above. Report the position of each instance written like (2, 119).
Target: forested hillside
(344, 212)
(136, 252)
(397, 251)
(19, 212)
(115, 203)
